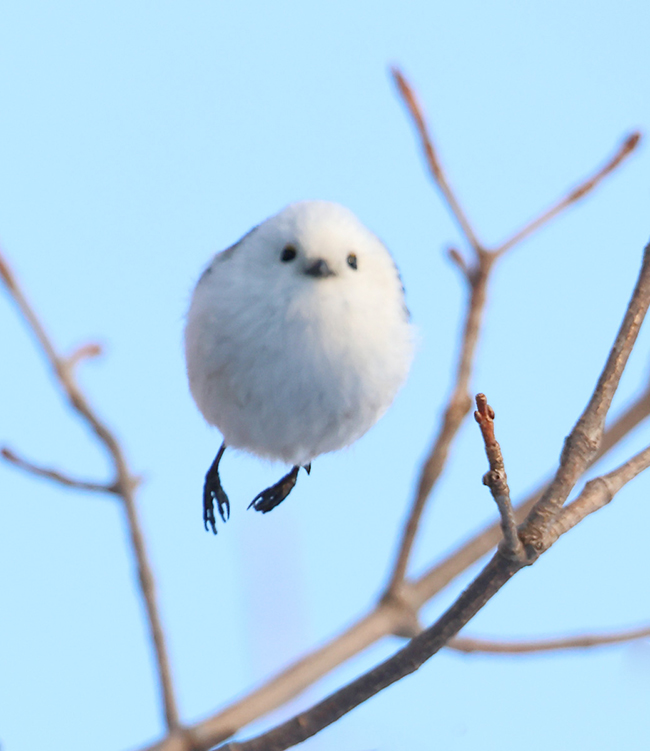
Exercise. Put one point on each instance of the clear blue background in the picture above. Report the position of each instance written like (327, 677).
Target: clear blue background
(136, 139)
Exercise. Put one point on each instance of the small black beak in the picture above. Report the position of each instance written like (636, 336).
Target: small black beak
(319, 269)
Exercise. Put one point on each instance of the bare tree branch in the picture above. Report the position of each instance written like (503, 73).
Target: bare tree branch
(444, 572)
(123, 485)
(581, 445)
(494, 576)
(497, 480)
(431, 157)
(54, 475)
(477, 276)
(498, 571)
(383, 620)
(625, 149)
(376, 624)
(457, 407)
(597, 493)
(397, 612)
(471, 645)
(85, 352)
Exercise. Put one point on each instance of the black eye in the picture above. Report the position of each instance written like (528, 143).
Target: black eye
(352, 261)
(288, 254)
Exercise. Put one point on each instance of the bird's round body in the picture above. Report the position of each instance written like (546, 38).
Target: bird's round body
(298, 337)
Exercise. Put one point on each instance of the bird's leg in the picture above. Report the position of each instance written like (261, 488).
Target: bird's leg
(212, 489)
(268, 499)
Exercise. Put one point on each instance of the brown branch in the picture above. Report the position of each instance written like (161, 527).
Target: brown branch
(478, 275)
(431, 157)
(471, 645)
(581, 445)
(404, 662)
(457, 259)
(497, 480)
(124, 485)
(85, 352)
(597, 493)
(54, 475)
(443, 573)
(387, 618)
(457, 407)
(492, 578)
(586, 186)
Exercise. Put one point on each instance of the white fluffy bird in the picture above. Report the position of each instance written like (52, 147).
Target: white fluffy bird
(297, 340)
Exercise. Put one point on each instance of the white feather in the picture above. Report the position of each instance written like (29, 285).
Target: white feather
(287, 365)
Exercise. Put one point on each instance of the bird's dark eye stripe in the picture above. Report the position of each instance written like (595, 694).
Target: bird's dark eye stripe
(288, 254)
(352, 261)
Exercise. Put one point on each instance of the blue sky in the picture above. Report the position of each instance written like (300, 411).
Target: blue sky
(137, 139)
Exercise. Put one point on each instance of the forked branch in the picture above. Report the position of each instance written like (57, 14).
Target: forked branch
(477, 273)
(494, 576)
(123, 484)
(582, 443)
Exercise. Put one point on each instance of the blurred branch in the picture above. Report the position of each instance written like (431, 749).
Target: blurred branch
(123, 485)
(54, 475)
(477, 275)
(85, 352)
(431, 157)
(457, 407)
(587, 185)
(472, 645)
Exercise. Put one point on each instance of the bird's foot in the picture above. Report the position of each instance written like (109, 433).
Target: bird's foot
(268, 499)
(213, 490)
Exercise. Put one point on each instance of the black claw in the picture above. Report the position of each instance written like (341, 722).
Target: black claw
(268, 499)
(213, 490)
(307, 468)
(223, 504)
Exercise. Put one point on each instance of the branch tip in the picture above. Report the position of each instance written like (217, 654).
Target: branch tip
(7, 275)
(84, 352)
(632, 141)
(457, 259)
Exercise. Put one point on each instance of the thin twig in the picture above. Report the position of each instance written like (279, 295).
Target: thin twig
(54, 475)
(597, 493)
(586, 186)
(431, 157)
(457, 259)
(458, 406)
(497, 572)
(471, 645)
(85, 352)
(497, 480)
(581, 445)
(443, 573)
(124, 485)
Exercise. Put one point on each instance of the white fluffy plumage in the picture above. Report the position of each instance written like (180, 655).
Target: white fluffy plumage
(298, 337)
